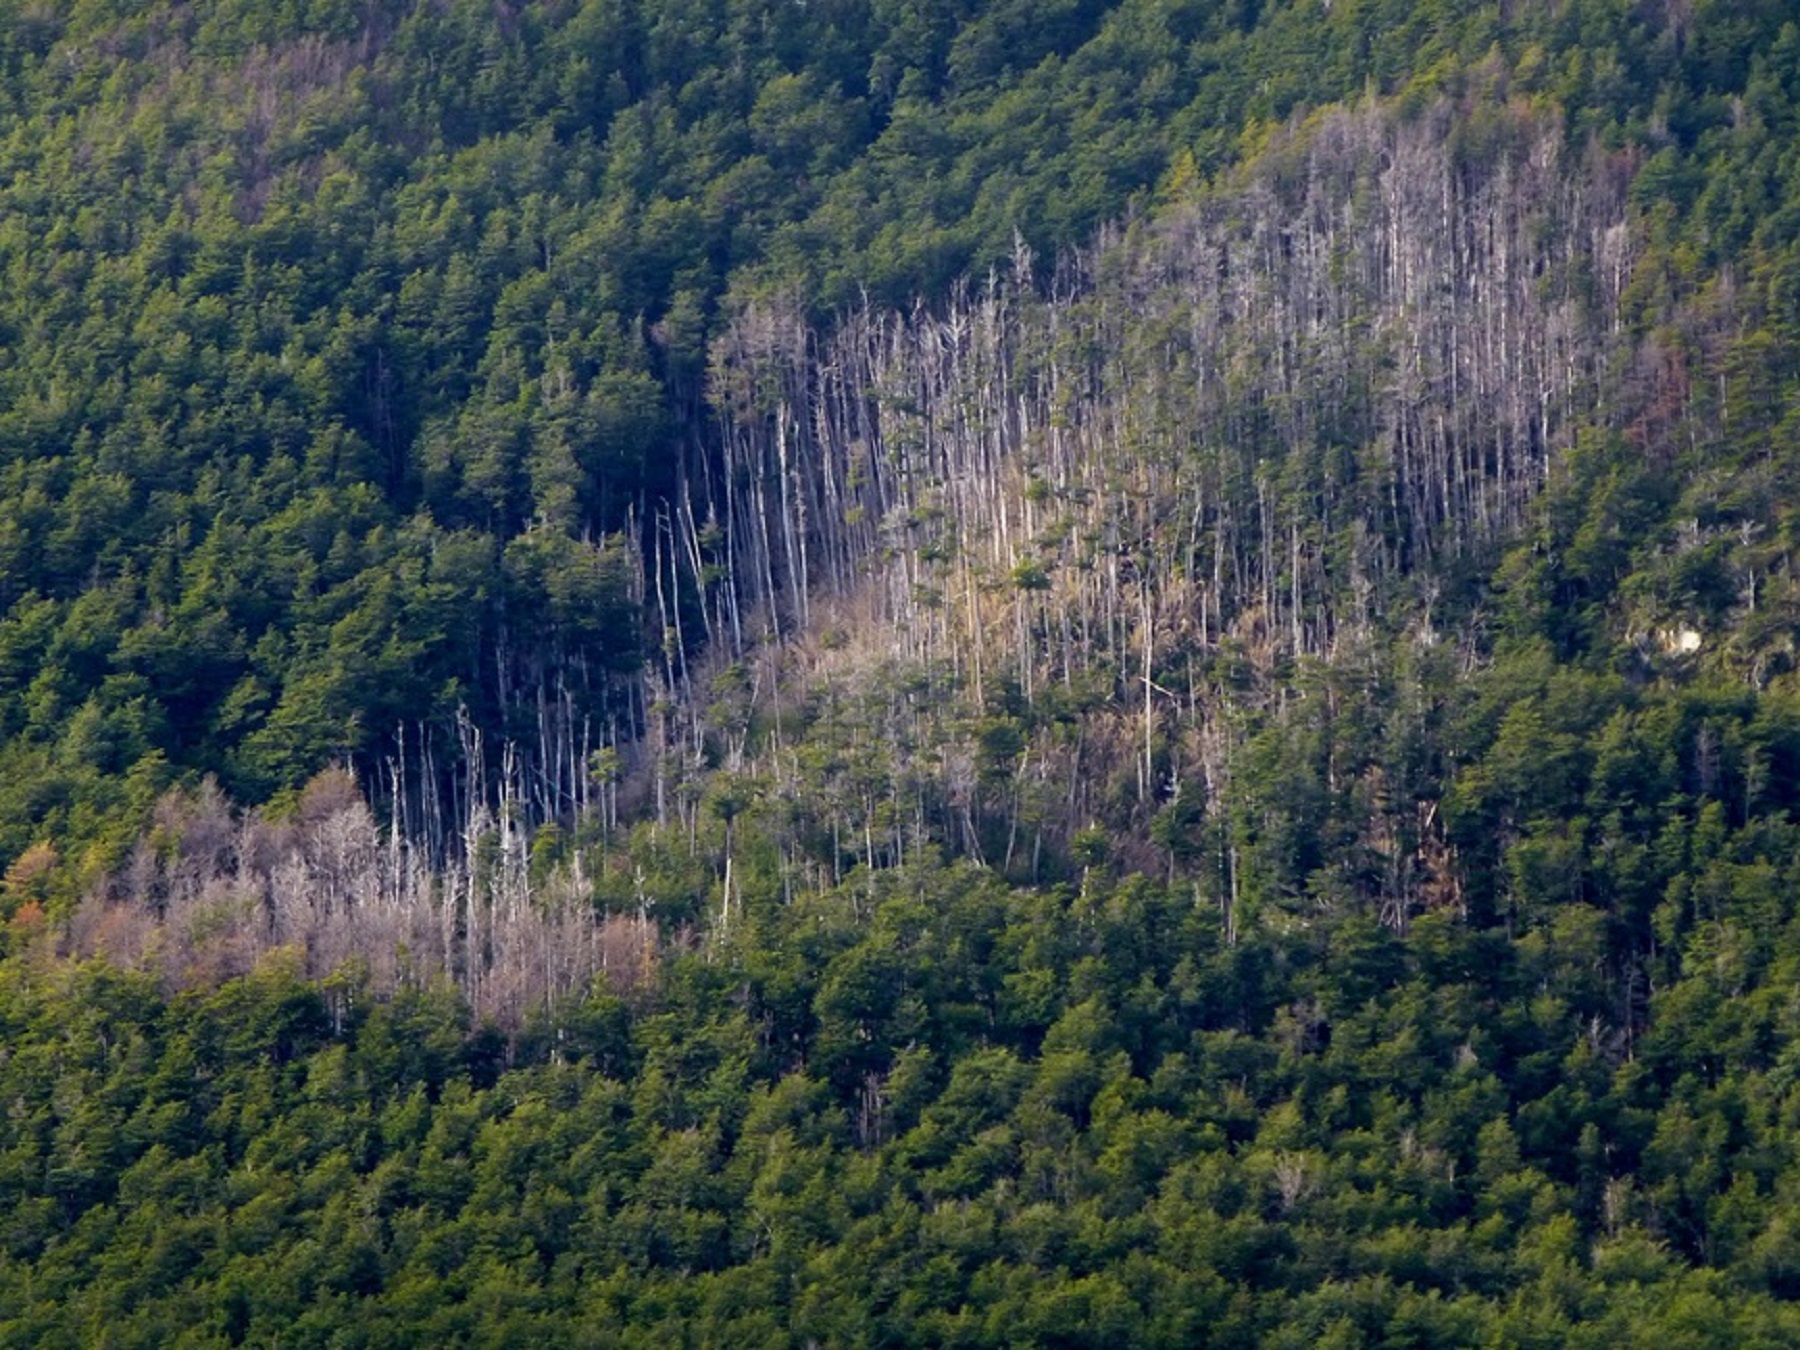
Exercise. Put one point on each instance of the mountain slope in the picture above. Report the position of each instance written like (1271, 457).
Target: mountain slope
(581, 765)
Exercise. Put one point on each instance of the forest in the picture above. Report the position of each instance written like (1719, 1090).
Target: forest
(899, 672)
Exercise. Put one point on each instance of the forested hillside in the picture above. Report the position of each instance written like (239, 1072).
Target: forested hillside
(867, 673)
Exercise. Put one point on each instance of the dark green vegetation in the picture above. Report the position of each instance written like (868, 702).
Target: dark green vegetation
(928, 1109)
(1234, 779)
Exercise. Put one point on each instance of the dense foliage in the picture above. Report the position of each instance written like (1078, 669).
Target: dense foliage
(1231, 780)
(926, 1108)
(340, 342)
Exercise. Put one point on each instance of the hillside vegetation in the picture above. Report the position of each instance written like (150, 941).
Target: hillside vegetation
(883, 674)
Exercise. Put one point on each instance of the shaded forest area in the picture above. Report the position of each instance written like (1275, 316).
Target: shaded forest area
(359, 359)
(882, 674)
